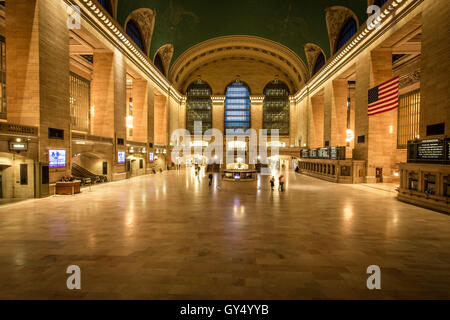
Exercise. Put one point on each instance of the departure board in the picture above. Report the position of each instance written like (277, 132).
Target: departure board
(431, 150)
(324, 153)
(304, 154)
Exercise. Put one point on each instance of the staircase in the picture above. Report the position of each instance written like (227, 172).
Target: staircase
(86, 176)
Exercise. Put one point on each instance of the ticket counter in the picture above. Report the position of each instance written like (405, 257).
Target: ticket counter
(72, 187)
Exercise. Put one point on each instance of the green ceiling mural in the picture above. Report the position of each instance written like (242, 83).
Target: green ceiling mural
(293, 23)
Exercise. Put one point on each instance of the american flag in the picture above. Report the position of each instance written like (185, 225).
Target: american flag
(384, 98)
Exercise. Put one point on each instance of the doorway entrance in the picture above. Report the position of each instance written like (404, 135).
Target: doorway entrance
(379, 175)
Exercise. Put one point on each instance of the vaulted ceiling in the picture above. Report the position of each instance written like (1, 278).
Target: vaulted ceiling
(292, 23)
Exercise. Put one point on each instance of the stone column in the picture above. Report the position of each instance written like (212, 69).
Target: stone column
(102, 95)
(37, 54)
(339, 113)
(327, 113)
(435, 60)
(218, 116)
(293, 124)
(316, 121)
(140, 110)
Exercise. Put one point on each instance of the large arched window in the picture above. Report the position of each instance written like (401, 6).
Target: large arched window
(347, 32)
(276, 107)
(320, 62)
(134, 33)
(159, 63)
(107, 5)
(199, 106)
(237, 108)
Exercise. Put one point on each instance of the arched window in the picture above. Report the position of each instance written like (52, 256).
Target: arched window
(135, 34)
(320, 62)
(199, 106)
(276, 107)
(159, 63)
(107, 5)
(346, 34)
(237, 108)
(379, 3)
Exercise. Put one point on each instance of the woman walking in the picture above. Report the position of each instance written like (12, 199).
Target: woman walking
(272, 182)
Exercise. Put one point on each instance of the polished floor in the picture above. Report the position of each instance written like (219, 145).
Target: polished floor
(171, 236)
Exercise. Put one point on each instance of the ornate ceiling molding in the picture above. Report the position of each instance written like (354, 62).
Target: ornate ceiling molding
(336, 17)
(244, 48)
(145, 18)
(166, 53)
(312, 52)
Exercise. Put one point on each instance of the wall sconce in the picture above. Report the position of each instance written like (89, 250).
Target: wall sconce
(130, 122)
(350, 135)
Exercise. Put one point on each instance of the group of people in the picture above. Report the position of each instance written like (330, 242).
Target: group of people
(67, 179)
(280, 183)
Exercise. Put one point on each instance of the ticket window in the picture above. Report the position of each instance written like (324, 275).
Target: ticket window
(413, 183)
(447, 186)
(430, 184)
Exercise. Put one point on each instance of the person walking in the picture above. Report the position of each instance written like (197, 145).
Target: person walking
(272, 183)
(281, 183)
(210, 177)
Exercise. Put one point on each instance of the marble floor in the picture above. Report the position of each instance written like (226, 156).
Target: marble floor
(171, 236)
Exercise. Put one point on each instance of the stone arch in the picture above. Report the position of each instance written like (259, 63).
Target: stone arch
(255, 59)
(336, 17)
(166, 54)
(145, 19)
(113, 6)
(312, 52)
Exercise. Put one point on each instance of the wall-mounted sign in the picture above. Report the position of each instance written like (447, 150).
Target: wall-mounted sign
(305, 154)
(429, 151)
(121, 157)
(57, 158)
(151, 157)
(324, 153)
(18, 146)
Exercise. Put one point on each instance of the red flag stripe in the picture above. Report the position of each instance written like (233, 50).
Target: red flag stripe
(387, 90)
(388, 94)
(382, 111)
(384, 106)
(388, 85)
(384, 100)
(384, 83)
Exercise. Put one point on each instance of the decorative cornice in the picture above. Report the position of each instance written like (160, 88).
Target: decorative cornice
(102, 21)
(364, 37)
(239, 47)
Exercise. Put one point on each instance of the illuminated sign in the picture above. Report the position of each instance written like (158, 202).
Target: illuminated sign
(18, 146)
(121, 157)
(57, 158)
(151, 157)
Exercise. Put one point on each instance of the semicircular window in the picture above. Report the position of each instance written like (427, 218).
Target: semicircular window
(320, 62)
(134, 33)
(237, 108)
(159, 63)
(107, 5)
(379, 3)
(276, 107)
(347, 32)
(198, 106)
